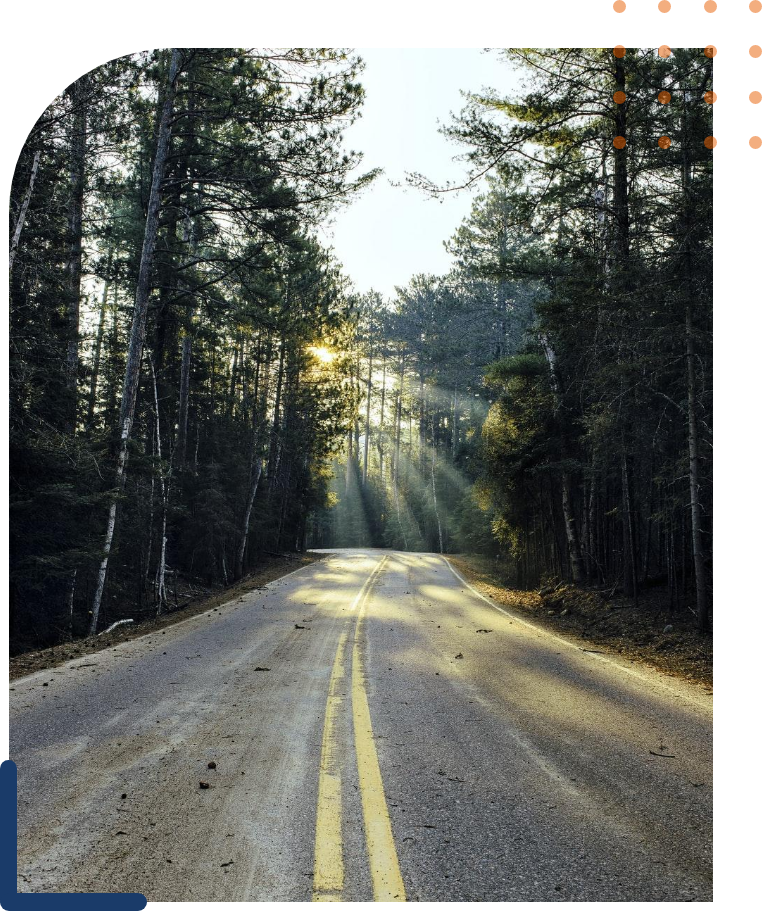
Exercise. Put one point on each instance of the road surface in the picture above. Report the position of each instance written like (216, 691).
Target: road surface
(408, 741)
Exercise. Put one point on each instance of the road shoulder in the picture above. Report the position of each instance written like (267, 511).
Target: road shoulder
(275, 568)
(639, 636)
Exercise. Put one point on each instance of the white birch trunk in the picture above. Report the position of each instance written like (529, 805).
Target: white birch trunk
(570, 525)
(255, 475)
(22, 212)
(138, 330)
(99, 341)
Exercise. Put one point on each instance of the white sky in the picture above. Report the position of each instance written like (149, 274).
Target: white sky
(389, 234)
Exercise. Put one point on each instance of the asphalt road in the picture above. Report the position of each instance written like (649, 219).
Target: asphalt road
(410, 742)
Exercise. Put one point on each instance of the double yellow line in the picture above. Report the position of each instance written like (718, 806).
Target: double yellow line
(386, 878)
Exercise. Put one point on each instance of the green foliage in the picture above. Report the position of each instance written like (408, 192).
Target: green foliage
(240, 290)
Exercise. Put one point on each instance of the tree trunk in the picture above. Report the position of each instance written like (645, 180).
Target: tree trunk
(22, 213)
(358, 398)
(455, 436)
(699, 565)
(70, 603)
(422, 425)
(99, 342)
(631, 567)
(572, 538)
(350, 458)
(381, 426)
(234, 375)
(621, 180)
(434, 489)
(149, 545)
(77, 152)
(694, 459)
(398, 431)
(255, 466)
(138, 330)
(366, 445)
(272, 459)
(182, 429)
(255, 473)
(161, 568)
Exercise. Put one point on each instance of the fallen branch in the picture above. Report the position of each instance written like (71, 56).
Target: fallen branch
(663, 755)
(114, 626)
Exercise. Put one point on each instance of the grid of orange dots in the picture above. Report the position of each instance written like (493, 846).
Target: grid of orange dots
(664, 97)
(710, 6)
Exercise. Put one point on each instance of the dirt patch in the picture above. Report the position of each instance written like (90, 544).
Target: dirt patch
(649, 633)
(268, 571)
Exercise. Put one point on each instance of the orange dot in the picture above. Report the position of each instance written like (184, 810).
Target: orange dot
(755, 142)
(755, 6)
(664, 6)
(620, 6)
(710, 51)
(664, 142)
(710, 97)
(620, 97)
(619, 51)
(664, 97)
(619, 142)
(755, 97)
(710, 6)
(755, 50)
(665, 50)
(710, 142)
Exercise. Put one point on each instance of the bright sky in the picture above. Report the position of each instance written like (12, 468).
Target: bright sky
(389, 234)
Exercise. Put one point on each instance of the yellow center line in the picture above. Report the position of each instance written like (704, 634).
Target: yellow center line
(382, 853)
(328, 879)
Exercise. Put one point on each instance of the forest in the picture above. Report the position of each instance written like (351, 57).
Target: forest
(195, 382)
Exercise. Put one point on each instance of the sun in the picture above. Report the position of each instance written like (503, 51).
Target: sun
(322, 354)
